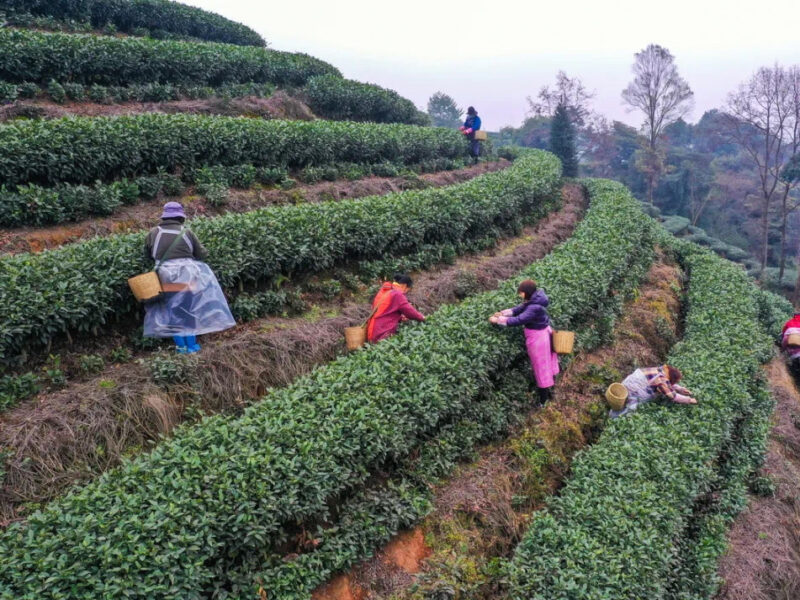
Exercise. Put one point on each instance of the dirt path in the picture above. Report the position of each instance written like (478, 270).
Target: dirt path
(61, 438)
(481, 513)
(279, 105)
(144, 215)
(763, 559)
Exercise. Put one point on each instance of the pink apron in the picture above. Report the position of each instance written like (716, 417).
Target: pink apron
(544, 361)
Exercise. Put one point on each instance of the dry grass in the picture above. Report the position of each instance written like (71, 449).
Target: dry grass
(70, 436)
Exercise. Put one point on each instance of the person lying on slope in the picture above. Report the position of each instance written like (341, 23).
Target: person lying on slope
(647, 383)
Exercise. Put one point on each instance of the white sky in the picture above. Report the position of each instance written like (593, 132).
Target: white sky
(493, 55)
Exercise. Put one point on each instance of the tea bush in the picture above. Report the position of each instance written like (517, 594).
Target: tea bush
(85, 149)
(82, 286)
(616, 529)
(185, 517)
(332, 97)
(89, 59)
(131, 16)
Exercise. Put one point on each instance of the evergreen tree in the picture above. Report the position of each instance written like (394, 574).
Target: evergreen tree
(562, 141)
(444, 111)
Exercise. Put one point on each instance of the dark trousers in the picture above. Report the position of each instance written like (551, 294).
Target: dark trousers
(475, 148)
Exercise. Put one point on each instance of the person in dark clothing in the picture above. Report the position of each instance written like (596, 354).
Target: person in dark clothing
(532, 315)
(192, 302)
(471, 125)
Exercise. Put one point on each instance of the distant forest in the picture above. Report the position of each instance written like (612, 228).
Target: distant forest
(732, 176)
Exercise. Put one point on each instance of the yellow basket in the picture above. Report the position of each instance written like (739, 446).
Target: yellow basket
(616, 394)
(481, 135)
(793, 339)
(563, 341)
(145, 286)
(355, 337)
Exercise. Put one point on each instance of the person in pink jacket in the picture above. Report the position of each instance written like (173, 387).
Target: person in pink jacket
(391, 306)
(532, 315)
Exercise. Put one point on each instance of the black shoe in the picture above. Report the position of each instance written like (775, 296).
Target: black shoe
(545, 394)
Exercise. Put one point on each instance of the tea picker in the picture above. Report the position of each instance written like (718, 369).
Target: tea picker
(644, 385)
(540, 342)
(471, 129)
(182, 296)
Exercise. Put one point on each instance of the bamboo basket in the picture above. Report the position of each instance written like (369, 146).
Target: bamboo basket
(793, 339)
(563, 341)
(616, 394)
(145, 286)
(481, 136)
(355, 337)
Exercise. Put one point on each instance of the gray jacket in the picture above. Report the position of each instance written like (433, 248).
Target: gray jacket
(188, 247)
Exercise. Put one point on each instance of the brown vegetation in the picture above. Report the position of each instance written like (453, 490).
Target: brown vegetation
(144, 215)
(763, 559)
(69, 436)
(481, 513)
(279, 105)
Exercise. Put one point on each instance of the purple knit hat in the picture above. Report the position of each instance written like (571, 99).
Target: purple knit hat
(173, 210)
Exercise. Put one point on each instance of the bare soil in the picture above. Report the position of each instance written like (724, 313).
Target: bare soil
(278, 106)
(763, 558)
(482, 512)
(62, 438)
(142, 216)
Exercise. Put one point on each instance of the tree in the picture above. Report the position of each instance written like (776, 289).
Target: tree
(567, 91)
(763, 118)
(659, 92)
(444, 111)
(562, 141)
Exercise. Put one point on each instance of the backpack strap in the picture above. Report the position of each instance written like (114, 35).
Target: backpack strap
(171, 247)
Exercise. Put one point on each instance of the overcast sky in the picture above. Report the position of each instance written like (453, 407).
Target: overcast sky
(494, 54)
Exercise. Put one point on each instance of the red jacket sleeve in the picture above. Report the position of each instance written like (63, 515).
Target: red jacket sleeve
(409, 311)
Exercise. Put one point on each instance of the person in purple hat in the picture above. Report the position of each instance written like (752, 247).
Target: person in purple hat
(192, 302)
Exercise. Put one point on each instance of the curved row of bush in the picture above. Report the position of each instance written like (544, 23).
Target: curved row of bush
(616, 529)
(175, 523)
(146, 92)
(38, 205)
(78, 58)
(86, 149)
(130, 16)
(332, 97)
(82, 285)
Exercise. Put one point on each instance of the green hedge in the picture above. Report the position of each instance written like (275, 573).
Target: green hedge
(177, 522)
(86, 149)
(616, 529)
(80, 286)
(332, 97)
(78, 58)
(131, 15)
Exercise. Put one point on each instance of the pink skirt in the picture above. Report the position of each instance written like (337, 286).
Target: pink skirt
(544, 361)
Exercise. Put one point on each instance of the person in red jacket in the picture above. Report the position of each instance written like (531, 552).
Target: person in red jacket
(791, 327)
(391, 306)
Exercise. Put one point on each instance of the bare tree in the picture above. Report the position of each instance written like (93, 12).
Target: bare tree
(763, 118)
(569, 91)
(658, 91)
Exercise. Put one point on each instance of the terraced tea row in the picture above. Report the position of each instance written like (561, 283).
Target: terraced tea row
(85, 149)
(133, 16)
(79, 287)
(618, 529)
(175, 524)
